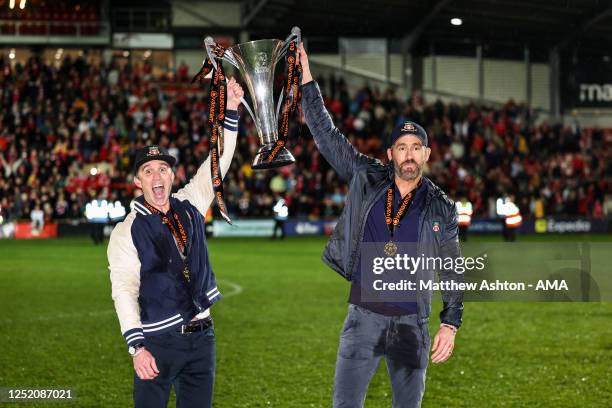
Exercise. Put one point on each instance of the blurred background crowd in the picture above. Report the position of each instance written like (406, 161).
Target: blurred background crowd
(69, 133)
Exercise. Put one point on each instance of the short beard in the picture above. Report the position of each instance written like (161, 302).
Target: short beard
(407, 175)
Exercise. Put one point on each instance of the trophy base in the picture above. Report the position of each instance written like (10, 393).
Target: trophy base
(282, 158)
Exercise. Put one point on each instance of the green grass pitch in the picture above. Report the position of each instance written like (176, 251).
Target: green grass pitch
(277, 334)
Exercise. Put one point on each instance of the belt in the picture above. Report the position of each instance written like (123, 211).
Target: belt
(195, 326)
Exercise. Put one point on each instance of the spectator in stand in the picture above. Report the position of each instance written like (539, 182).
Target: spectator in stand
(38, 220)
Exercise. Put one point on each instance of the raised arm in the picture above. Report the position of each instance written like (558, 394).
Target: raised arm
(332, 144)
(199, 191)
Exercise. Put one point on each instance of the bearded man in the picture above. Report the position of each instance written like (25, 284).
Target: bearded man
(391, 204)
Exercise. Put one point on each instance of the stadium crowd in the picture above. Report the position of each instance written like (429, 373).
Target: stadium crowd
(68, 134)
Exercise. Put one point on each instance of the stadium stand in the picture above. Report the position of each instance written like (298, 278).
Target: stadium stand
(58, 124)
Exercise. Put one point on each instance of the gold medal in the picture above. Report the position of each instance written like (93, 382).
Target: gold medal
(187, 274)
(393, 221)
(390, 248)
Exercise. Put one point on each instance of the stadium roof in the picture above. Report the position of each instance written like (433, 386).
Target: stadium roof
(540, 24)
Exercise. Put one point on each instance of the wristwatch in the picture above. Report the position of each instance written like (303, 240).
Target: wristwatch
(133, 350)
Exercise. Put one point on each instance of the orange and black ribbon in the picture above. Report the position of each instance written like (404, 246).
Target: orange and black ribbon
(180, 236)
(292, 97)
(216, 116)
(391, 220)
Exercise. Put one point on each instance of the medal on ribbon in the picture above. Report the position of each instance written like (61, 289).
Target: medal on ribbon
(393, 221)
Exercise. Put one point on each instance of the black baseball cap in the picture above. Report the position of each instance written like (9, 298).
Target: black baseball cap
(153, 152)
(409, 128)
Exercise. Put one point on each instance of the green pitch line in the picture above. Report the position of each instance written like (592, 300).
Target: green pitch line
(277, 338)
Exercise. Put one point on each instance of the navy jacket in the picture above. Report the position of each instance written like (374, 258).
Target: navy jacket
(161, 266)
(150, 293)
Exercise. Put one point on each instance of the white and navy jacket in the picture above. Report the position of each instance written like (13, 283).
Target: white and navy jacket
(150, 293)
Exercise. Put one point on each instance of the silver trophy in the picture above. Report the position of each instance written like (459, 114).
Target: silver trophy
(256, 62)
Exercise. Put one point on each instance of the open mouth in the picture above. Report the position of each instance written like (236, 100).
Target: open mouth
(158, 191)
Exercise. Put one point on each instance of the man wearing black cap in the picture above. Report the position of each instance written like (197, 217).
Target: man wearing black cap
(394, 205)
(162, 282)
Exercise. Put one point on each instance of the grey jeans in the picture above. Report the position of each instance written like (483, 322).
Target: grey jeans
(368, 336)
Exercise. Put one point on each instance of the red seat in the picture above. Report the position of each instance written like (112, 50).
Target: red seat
(8, 29)
(94, 29)
(53, 29)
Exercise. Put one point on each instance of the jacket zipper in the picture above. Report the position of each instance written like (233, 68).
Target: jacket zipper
(363, 224)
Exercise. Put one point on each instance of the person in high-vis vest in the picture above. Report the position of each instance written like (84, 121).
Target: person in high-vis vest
(511, 214)
(281, 213)
(464, 217)
(513, 219)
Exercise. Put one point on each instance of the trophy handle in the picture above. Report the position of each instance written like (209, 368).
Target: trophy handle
(296, 34)
(209, 43)
(279, 103)
(229, 57)
(248, 108)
